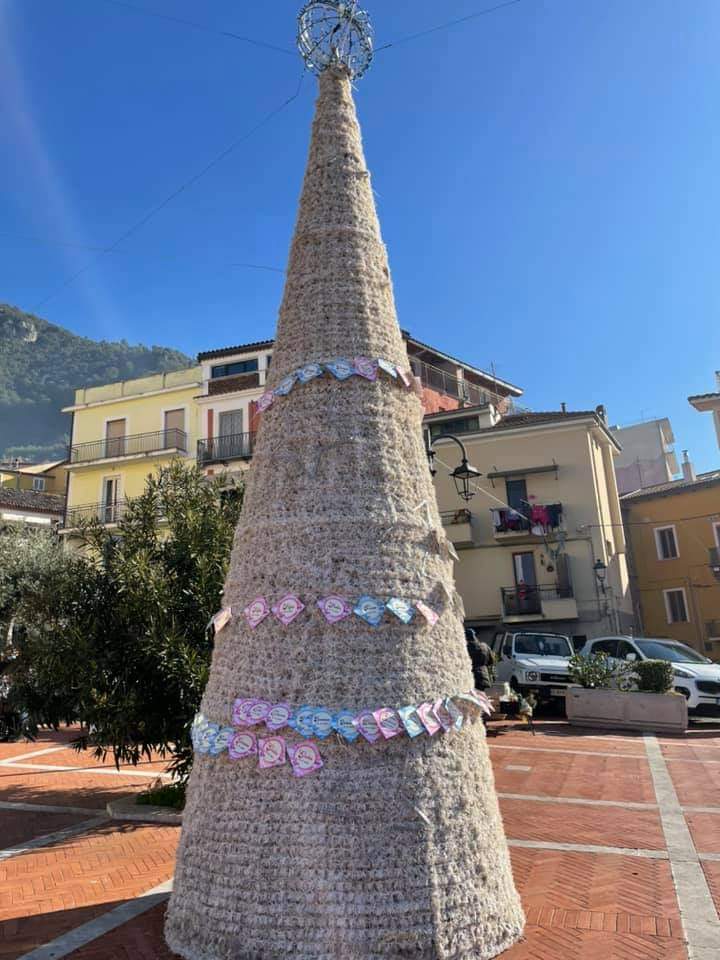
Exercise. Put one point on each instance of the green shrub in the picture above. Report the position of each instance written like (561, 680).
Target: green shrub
(654, 676)
(169, 795)
(599, 672)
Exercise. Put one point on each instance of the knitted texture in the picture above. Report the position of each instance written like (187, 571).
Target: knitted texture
(393, 849)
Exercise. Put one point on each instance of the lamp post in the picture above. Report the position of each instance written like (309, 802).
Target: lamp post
(463, 475)
(600, 570)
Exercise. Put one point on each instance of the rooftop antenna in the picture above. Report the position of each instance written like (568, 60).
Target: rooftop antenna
(332, 32)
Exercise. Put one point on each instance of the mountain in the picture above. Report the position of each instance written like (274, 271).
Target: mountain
(41, 365)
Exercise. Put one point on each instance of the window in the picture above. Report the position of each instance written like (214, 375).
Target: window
(38, 484)
(675, 606)
(109, 512)
(461, 425)
(716, 527)
(666, 543)
(517, 496)
(235, 368)
(609, 647)
(626, 651)
(230, 423)
(115, 431)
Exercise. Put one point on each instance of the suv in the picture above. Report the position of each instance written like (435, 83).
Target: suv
(533, 662)
(696, 677)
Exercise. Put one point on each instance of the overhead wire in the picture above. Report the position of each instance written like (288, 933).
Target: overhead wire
(195, 25)
(448, 24)
(172, 196)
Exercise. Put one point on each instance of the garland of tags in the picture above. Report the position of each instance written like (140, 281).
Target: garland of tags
(342, 369)
(385, 723)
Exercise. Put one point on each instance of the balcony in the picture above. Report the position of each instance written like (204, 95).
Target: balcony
(237, 446)
(235, 383)
(553, 602)
(102, 512)
(536, 520)
(133, 446)
(459, 527)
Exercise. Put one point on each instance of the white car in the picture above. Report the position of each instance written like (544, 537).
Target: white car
(533, 662)
(696, 677)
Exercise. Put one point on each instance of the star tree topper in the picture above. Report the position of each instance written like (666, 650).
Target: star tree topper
(332, 32)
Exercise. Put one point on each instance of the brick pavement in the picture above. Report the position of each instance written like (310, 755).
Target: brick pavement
(580, 905)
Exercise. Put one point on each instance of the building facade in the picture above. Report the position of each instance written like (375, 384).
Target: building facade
(646, 457)
(674, 535)
(710, 403)
(541, 544)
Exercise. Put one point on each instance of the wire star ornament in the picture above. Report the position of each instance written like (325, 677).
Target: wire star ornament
(332, 32)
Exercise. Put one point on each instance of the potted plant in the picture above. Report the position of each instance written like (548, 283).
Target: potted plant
(625, 695)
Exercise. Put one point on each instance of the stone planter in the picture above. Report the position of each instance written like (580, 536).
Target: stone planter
(664, 712)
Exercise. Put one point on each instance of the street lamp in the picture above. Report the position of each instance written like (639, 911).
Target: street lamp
(600, 569)
(463, 475)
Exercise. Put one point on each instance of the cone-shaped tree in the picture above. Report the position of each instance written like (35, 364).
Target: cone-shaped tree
(394, 848)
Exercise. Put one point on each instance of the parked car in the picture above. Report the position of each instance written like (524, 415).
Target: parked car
(533, 662)
(696, 677)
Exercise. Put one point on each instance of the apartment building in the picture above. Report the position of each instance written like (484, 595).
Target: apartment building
(32, 493)
(541, 543)
(208, 414)
(647, 456)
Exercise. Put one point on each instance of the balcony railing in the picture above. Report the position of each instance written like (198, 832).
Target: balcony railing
(461, 390)
(103, 512)
(527, 601)
(236, 446)
(110, 448)
(235, 383)
(538, 518)
(452, 517)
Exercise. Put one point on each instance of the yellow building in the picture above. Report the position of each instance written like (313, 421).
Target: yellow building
(32, 493)
(541, 543)
(674, 533)
(40, 477)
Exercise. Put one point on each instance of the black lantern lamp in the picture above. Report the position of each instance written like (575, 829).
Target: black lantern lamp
(464, 475)
(600, 570)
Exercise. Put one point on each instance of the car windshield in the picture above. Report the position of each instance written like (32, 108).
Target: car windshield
(674, 652)
(543, 645)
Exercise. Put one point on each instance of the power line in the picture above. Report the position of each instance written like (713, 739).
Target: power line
(172, 196)
(206, 28)
(448, 24)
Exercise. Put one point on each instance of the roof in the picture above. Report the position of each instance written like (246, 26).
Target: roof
(37, 468)
(231, 351)
(705, 396)
(31, 501)
(517, 421)
(704, 481)
(267, 344)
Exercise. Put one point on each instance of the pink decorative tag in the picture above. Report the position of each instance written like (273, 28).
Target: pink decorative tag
(442, 715)
(278, 716)
(288, 609)
(265, 401)
(271, 752)
(221, 619)
(242, 745)
(388, 721)
(430, 615)
(256, 611)
(417, 387)
(259, 710)
(334, 608)
(366, 367)
(240, 715)
(404, 376)
(368, 726)
(305, 758)
(425, 712)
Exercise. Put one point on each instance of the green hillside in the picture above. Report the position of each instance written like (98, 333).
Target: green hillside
(41, 365)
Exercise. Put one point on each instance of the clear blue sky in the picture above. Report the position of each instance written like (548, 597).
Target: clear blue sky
(547, 176)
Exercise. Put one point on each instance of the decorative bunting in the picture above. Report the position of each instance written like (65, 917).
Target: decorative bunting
(221, 619)
(368, 726)
(256, 611)
(411, 721)
(288, 609)
(342, 368)
(241, 713)
(366, 368)
(303, 721)
(430, 615)
(265, 401)
(242, 745)
(309, 372)
(278, 717)
(285, 386)
(429, 721)
(305, 758)
(344, 724)
(271, 752)
(389, 368)
(403, 609)
(334, 608)
(322, 723)
(370, 610)
(388, 721)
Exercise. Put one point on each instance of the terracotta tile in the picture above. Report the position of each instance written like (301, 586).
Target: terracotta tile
(705, 830)
(572, 823)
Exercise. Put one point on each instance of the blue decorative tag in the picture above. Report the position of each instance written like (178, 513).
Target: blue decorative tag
(403, 609)
(411, 721)
(207, 736)
(304, 721)
(341, 369)
(388, 367)
(221, 741)
(309, 372)
(344, 723)
(370, 610)
(285, 386)
(322, 723)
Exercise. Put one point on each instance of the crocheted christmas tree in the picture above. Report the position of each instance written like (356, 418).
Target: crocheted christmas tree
(341, 803)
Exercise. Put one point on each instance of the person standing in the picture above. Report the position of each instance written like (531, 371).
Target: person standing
(483, 660)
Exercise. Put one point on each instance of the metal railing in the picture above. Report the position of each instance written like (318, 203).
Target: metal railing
(103, 512)
(111, 447)
(451, 517)
(236, 446)
(526, 600)
(523, 520)
(439, 380)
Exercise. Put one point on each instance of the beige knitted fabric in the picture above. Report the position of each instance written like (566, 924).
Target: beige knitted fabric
(393, 849)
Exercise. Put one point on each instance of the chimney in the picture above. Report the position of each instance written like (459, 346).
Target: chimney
(687, 468)
(601, 412)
